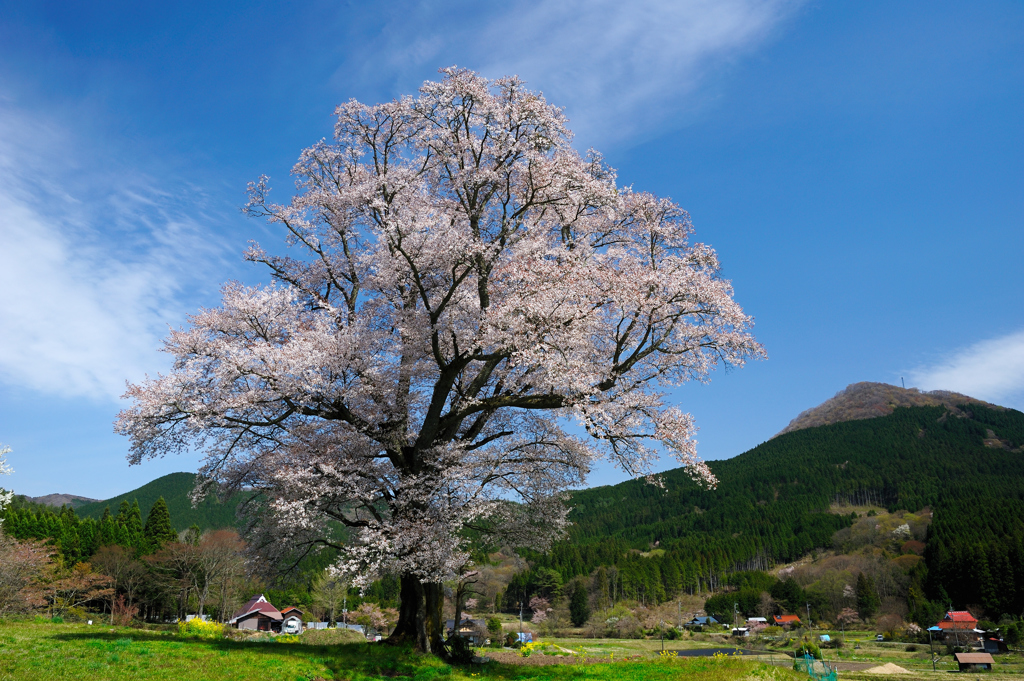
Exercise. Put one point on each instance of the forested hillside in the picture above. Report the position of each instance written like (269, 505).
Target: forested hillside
(175, 488)
(80, 531)
(786, 498)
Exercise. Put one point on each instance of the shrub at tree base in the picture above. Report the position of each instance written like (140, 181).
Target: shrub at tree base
(200, 629)
(459, 650)
(809, 649)
(122, 613)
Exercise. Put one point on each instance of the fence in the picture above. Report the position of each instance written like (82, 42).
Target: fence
(816, 669)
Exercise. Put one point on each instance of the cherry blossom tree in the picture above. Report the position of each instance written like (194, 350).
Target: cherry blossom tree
(462, 286)
(5, 469)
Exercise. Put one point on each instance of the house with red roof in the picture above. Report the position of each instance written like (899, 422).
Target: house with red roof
(786, 621)
(259, 615)
(959, 627)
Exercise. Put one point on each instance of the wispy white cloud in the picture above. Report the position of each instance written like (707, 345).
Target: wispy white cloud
(991, 370)
(619, 68)
(94, 262)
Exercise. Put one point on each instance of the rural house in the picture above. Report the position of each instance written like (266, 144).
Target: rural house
(786, 621)
(701, 621)
(756, 624)
(959, 627)
(474, 630)
(258, 614)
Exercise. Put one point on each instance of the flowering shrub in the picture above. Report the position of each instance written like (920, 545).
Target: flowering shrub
(201, 629)
(527, 648)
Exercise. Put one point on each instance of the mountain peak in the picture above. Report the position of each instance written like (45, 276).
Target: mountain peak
(58, 500)
(868, 400)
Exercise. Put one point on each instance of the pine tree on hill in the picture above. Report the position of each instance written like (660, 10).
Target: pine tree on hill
(133, 525)
(158, 529)
(122, 513)
(579, 606)
(867, 599)
(108, 530)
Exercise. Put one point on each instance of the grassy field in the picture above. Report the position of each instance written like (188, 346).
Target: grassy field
(31, 650)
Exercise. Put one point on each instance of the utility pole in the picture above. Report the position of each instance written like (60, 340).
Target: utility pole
(808, 615)
(931, 648)
(520, 621)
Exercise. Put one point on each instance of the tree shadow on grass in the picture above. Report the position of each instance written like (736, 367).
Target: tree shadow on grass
(367, 658)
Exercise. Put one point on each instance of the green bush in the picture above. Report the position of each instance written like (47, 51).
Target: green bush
(494, 627)
(459, 650)
(809, 649)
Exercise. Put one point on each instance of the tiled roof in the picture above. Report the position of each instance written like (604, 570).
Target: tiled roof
(959, 626)
(974, 658)
(960, 616)
(787, 618)
(258, 604)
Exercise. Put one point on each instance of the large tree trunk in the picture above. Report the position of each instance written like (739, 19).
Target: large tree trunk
(419, 616)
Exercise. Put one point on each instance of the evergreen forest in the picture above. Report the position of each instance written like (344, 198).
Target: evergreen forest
(959, 473)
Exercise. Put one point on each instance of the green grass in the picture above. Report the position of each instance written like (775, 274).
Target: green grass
(32, 651)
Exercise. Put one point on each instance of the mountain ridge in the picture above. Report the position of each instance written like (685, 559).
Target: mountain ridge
(866, 400)
(176, 488)
(59, 499)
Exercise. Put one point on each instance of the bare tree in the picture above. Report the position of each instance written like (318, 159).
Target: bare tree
(126, 573)
(175, 566)
(21, 565)
(75, 587)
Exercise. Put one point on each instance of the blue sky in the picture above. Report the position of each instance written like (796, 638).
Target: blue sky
(858, 166)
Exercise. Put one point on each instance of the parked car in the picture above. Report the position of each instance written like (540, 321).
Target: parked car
(879, 637)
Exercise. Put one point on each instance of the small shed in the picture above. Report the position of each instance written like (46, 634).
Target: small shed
(995, 645)
(969, 662)
(291, 622)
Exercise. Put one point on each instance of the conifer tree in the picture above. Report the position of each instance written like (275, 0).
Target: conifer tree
(867, 599)
(579, 606)
(158, 530)
(108, 529)
(134, 525)
(122, 513)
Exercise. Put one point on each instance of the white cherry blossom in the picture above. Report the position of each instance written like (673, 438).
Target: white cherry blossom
(463, 285)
